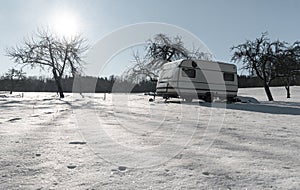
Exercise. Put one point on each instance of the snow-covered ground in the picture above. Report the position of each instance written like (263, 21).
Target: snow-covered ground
(122, 141)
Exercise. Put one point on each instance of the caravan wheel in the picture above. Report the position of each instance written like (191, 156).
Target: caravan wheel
(166, 98)
(208, 97)
(188, 99)
(231, 100)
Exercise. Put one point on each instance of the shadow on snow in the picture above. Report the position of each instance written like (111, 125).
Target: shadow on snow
(287, 108)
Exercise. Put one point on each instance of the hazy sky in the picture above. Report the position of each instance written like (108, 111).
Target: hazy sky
(220, 24)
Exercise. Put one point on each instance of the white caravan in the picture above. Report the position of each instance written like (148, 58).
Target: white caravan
(198, 79)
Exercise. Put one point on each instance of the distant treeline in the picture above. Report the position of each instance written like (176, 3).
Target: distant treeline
(111, 84)
(251, 81)
(99, 85)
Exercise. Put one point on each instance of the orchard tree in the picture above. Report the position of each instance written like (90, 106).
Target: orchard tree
(59, 55)
(164, 48)
(259, 58)
(288, 65)
(158, 51)
(14, 76)
(142, 70)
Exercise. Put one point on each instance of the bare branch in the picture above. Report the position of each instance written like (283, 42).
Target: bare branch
(158, 51)
(44, 49)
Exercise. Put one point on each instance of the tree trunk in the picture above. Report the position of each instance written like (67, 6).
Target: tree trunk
(288, 92)
(287, 87)
(268, 91)
(11, 85)
(58, 84)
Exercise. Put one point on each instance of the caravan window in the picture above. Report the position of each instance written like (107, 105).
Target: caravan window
(186, 72)
(228, 76)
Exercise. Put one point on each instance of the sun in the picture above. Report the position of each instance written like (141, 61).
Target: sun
(64, 23)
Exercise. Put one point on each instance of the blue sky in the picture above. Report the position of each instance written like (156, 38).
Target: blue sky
(220, 24)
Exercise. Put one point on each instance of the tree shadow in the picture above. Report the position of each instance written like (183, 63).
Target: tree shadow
(285, 108)
(276, 107)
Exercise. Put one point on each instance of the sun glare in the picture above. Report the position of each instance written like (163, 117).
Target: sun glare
(65, 24)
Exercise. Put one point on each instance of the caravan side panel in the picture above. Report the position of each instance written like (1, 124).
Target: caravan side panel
(190, 79)
(167, 84)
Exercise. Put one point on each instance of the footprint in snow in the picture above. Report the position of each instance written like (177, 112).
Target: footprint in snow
(48, 112)
(77, 142)
(122, 168)
(14, 119)
(205, 173)
(71, 166)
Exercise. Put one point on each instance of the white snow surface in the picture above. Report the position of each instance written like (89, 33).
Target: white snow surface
(123, 141)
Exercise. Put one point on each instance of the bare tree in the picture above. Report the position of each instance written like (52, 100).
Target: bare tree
(161, 47)
(259, 58)
(288, 65)
(158, 51)
(47, 51)
(141, 69)
(14, 76)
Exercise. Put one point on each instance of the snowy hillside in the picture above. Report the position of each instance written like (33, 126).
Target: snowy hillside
(122, 141)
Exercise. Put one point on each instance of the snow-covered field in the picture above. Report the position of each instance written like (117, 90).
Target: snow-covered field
(121, 141)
